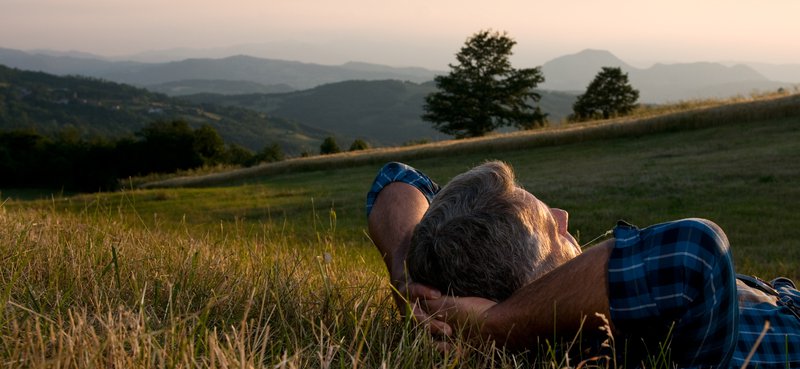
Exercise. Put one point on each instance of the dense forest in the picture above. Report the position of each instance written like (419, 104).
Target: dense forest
(67, 161)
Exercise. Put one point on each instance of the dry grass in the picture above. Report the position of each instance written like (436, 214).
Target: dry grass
(89, 290)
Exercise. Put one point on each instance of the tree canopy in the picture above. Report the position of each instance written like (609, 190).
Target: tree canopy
(359, 144)
(608, 95)
(70, 162)
(329, 146)
(483, 92)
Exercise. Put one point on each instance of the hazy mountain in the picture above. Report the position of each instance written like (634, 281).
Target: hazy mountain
(69, 53)
(657, 84)
(62, 64)
(220, 86)
(176, 54)
(382, 112)
(322, 53)
(574, 72)
(661, 82)
(50, 104)
(672, 82)
(264, 71)
(419, 73)
(235, 68)
(778, 72)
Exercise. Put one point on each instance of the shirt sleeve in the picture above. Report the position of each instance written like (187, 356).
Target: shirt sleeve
(675, 282)
(399, 172)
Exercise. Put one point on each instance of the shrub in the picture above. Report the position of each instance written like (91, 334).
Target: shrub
(359, 144)
(329, 146)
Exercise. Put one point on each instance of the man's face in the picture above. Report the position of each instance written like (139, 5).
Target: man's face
(555, 222)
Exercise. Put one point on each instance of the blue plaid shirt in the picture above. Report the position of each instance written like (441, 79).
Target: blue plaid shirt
(673, 283)
(399, 172)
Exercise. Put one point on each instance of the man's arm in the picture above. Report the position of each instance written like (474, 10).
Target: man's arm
(398, 208)
(561, 302)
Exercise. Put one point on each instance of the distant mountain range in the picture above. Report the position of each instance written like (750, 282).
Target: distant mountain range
(245, 74)
(664, 82)
(268, 72)
(219, 86)
(256, 101)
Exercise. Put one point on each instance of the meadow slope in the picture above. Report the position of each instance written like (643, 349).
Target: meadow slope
(274, 269)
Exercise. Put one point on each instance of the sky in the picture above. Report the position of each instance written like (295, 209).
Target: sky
(425, 33)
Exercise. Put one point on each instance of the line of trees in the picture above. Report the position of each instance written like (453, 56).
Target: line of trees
(67, 161)
(329, 146)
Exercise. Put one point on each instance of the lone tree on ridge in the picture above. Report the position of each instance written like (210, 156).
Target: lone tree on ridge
(608, 95)
(483, 92)
(329, 146)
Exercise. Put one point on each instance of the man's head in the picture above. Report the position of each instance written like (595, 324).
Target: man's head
(485, 236)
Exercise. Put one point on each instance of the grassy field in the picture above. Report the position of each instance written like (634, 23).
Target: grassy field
(277, 271)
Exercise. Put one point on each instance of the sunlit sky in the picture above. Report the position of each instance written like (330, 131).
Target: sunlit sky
(423, 33)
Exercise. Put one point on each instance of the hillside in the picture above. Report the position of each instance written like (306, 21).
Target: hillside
(779, 72)
(49, 104)
(383, 112)
(682, 118)
(220, 86)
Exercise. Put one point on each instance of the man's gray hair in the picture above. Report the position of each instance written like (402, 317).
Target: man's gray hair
(477, 238)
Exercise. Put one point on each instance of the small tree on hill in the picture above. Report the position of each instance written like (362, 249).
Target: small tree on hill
(209, 144)
(270, 153)
(239, 155)
(483, 92)
(167, 146)
(359, 144)
(329, 146)
(608, 95)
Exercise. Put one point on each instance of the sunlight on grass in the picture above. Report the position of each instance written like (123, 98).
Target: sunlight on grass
(81, 290)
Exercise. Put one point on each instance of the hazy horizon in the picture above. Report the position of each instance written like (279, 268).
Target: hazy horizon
(413, 33)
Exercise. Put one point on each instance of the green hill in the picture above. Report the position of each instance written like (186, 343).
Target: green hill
(220, 86)
(383, 112)
(704, 114)
(50, 104)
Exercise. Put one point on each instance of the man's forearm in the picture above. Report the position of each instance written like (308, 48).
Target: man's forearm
(397, 210)
(561, 302)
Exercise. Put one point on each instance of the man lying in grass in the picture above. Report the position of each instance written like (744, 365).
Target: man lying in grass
(512, 273)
